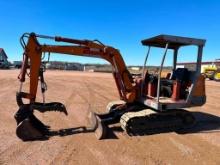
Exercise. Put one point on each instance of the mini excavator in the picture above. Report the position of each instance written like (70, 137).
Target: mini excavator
(148, 101)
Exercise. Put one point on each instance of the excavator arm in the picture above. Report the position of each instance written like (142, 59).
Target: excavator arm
(33, 51)
(28, 126)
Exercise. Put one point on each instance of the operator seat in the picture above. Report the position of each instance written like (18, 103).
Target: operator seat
(180, 74)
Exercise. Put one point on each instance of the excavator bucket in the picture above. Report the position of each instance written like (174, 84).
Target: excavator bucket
(29, 127)
(26, 130)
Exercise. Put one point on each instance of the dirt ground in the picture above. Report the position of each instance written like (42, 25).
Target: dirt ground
(81, 92)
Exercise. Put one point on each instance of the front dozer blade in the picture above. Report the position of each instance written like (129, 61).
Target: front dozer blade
(97, 125)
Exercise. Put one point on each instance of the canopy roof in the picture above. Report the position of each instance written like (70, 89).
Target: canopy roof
(174, 41)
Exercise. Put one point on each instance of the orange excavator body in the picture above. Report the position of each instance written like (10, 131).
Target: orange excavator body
(185, 89)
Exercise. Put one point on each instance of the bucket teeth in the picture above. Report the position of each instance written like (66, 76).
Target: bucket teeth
(53, 106)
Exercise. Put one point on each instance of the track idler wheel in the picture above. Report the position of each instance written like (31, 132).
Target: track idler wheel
(97, 125)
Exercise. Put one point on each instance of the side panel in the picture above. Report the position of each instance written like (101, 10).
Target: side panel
(198, 94)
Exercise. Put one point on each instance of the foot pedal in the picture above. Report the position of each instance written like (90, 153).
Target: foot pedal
(97, 125)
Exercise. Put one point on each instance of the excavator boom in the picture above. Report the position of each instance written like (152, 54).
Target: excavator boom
(29, 127)
(34, 50)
